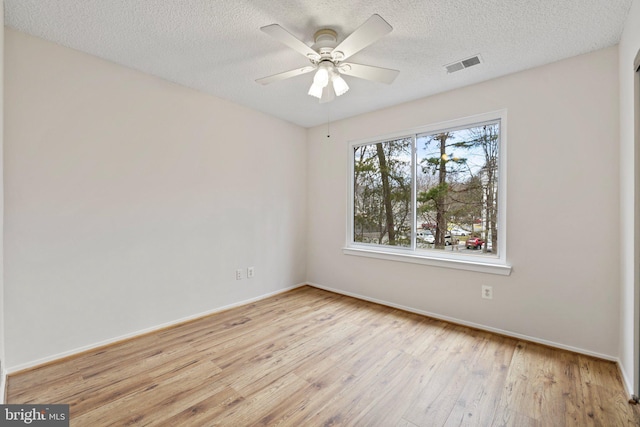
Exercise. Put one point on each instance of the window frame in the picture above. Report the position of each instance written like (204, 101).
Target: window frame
(480, 263)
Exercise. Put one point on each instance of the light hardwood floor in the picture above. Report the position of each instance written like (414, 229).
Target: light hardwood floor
(314, 358)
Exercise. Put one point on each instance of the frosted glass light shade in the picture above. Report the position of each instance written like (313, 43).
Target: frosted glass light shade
(322, 77)
(339, 85)
(316, 90)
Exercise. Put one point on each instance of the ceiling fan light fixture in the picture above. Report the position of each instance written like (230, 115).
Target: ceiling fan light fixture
(321, 79)
(339, 85)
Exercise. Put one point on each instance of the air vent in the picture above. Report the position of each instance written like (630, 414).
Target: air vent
(457, 66)
(461, 65)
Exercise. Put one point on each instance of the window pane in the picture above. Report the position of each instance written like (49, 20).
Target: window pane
(457, 190)
(382, 193)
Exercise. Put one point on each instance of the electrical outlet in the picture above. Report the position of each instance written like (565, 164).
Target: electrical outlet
(238, 274)
(250, 272)
(487, 292)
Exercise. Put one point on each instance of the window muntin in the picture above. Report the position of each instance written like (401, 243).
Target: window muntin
(456, 192)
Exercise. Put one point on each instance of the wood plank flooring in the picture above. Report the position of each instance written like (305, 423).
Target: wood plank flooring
(314, 358)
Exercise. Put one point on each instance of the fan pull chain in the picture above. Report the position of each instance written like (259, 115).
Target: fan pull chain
(328, 122)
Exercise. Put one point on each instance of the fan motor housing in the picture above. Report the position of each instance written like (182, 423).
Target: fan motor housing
(325, 40)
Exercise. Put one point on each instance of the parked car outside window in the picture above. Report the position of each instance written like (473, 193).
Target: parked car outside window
(474, 243)
(457, 231)
(426, 236)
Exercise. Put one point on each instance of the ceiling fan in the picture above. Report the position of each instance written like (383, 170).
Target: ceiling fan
(326, 56)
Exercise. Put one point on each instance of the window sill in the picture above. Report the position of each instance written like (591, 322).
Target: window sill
(445, 262)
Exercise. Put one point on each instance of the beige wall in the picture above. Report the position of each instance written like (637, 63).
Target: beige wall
(131, 201)
(562, 208)
(629, 324)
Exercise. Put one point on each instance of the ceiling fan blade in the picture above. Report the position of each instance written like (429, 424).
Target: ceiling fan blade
(369, 72)
(373, 29)
(328, 94)
(285, 75)
(288, 39)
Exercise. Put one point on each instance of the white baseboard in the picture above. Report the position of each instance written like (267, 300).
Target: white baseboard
(32, 364)
(628, 383)
(471, 324)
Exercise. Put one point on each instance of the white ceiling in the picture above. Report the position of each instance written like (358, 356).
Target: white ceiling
(215, 46)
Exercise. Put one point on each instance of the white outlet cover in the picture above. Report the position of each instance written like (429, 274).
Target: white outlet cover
(487, 292)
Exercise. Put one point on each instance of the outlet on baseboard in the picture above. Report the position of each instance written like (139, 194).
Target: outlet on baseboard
(487, 292)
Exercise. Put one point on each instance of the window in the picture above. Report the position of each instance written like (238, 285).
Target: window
(434, 195)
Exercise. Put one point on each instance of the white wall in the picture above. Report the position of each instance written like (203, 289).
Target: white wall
(131, 201)
(562, 212)
(629, 46)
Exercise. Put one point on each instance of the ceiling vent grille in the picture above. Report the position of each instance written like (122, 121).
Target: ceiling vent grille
(461, 65)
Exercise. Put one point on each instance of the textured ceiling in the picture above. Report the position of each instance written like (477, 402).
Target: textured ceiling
(215, 46)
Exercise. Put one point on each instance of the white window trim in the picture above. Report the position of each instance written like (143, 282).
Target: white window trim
(483, 264)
